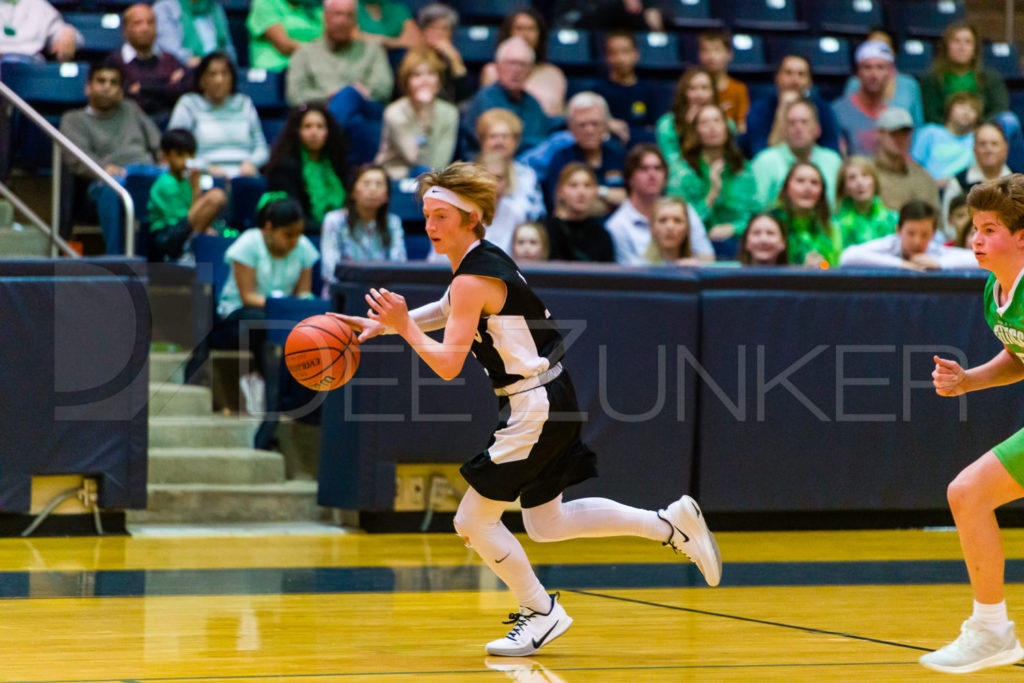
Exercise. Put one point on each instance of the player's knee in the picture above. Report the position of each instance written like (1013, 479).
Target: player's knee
(463, 527)
(536, 529)
(961, 493)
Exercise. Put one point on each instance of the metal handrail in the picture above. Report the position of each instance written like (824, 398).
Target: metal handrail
(53, 232)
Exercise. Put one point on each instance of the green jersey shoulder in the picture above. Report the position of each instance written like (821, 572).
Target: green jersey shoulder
(1007, 324)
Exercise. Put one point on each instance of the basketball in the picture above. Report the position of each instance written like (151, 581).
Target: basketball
(322, 353)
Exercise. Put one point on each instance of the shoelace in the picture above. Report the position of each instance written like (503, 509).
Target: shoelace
(520, 620)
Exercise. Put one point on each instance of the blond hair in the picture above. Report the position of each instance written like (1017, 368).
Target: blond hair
(413, 60)
(864, 165)
(472, 181)
(489, 118)
(653, 254)
(1003, 196)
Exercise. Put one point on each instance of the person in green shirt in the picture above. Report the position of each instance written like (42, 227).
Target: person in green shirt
(277, 28)
(861, 216)
(177, 208)
(802, 211)
(389, 23)
(958, 67)
(714, 177)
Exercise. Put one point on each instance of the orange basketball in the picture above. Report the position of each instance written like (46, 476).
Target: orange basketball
(322, 352)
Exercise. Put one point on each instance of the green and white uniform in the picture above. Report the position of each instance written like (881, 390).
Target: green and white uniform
(1007, 323)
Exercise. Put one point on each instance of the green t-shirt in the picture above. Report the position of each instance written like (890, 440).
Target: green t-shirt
(737, 200)
(857, 228)
(169, 201)
(1007, 324)
(392, 16)
(301, 23)
(274, 276)
(805, 234)
(952, 83)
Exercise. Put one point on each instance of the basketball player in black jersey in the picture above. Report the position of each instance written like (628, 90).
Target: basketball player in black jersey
(490, 310)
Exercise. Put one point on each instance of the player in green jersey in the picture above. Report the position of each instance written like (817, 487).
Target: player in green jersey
(988, 637)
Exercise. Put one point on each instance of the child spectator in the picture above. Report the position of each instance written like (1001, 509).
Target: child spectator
(802, 211)
(913, 246)
(670, 235)
(575, 233)
(530, 243)
(714, 53)
(861, 216)
(947, 150)
(545, 82)
(627, 97)
(763, 242)
(177, 207)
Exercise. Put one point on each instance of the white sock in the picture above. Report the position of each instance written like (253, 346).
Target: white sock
(992, 617)
(592, 518)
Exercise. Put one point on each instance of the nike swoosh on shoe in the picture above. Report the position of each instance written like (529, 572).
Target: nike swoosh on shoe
(538, 643)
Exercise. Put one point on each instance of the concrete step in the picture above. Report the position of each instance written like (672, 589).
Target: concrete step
(172, 400)
(214, 466)
(28, 242)
(208, 503)
(167, 368)
(202, 432)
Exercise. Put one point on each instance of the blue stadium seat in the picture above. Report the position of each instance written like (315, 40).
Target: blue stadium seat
(266, 88)
(488, 11)
(236, 7)
(476, 43)
(575, 85)
(1003, 57)
(239, 37)
(48, 82)
(690, 14)
(32, 148)
(761, 15)
(293, 310)
(915, 56)
(570, 47)
(209, 251)
(363, 141)
(924, 17)
(658, 51)
(417, 247)
(403, 200)
(102, 32)
(844, 16)
(749, 54)
(271, 128)
(826, 54)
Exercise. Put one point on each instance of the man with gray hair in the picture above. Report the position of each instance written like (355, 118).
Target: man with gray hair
(514, 60)
(587, 117)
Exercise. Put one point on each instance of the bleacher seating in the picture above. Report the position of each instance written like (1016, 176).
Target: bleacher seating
(1003, 57)
(488, 11)
(915, 56)
(47, 82)
(844, 16)
(690, 14)
(760, 15)
(476, 43)
(825, 54)
(101, 32)
(266, 88)
(570, 47)
(923, 17)
(658, 51)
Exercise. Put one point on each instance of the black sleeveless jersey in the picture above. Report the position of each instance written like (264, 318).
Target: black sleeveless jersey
(520, 341)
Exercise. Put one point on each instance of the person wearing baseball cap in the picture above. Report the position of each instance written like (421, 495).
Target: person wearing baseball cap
(857, 113)
(900, 177)
(903, 89)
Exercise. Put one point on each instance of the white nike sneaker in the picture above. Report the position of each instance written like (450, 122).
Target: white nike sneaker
(691, 536)
(976, 648)
(531, 631)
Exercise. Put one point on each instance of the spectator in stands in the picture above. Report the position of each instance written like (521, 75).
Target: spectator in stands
(766, 119)
(989, 163)
(576, 234)
(912, 246)
(801, 130)
(860, 215)
(420, 129)
(900, 178)
(545, 81)
(670, 235)
(499, 131)
(437, 22)
(587, 116)
(857, 113)
(695, 89)
(272, 260)
(608, 15)
(309, 162)
(178, 209)
(508, 212)
(646, 174)
(354, 75)
(763, 242)
(224, 121)
(277, 28)
(192, 29)
(628, 98)
(530, 242)
(117, 135)
(957, 67)
(389, 24)
(364, 229)
(153, 78)
(958, 219)
(514, 60)
(31, 27)
(714, 53)
(714, 178)
(802, 211)
(946, 150)
(901, 91)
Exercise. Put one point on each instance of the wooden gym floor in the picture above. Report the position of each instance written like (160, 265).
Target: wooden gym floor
(356, 607)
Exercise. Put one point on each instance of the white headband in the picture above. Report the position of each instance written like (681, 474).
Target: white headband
(458, 201)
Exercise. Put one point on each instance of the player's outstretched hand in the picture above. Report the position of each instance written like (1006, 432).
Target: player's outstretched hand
(366, 327)
(948, 377)
(388, 308)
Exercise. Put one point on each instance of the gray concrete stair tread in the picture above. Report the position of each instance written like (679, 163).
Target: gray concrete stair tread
(210, 431)
(167, 367)
(212, 452)
(298, 487)
(215, 466)
(284, 501)
(169, 400)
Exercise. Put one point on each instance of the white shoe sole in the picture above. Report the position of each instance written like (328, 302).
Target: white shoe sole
(528, 649)
(998, 659)
(708, 557)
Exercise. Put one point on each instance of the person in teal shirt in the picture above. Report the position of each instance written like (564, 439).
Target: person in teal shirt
(861, 216)
(389, 23)
(713, 177)
(278, 27)
(802, 211)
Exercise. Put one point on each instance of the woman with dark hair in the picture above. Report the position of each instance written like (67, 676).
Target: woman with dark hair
(763, 242)
(227, 129)
(695, 89)
(546, 82)
(309, 161)
(802, 211)
(958, 67)
(714, 177)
